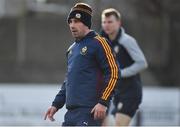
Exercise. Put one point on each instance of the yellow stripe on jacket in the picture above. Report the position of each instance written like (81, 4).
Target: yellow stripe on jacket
(113, 68)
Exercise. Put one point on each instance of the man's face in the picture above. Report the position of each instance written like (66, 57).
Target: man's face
(110, 24)
(77, 28)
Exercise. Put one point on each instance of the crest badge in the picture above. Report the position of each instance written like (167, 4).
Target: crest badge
(78, 15)
(83, 50)
(116, 49)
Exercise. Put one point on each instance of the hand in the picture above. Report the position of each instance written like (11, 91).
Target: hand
(50, 113)
(99, 111)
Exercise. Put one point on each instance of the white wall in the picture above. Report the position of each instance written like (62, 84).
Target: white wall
(26, 105)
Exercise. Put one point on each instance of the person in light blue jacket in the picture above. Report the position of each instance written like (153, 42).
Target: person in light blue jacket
(132, 61)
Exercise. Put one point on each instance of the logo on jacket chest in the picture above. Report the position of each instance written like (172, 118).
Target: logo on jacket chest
(116, 49)
(84, 50)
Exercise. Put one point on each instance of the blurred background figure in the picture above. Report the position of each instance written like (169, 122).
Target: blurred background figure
(34, 37)
(128, 95)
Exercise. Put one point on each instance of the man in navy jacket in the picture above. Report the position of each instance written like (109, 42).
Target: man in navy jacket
(92, 73)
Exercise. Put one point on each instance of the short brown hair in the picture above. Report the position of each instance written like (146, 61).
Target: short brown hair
(111, 11)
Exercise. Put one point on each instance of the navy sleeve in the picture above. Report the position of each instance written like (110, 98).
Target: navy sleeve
(110, 69)
(60, 98)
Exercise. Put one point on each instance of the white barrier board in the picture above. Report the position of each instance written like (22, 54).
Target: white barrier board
(26, 105)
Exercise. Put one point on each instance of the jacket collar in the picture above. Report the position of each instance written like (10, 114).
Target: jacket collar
(91, 34)
(120, 32)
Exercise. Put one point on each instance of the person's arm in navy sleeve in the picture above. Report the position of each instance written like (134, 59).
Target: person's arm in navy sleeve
(110, 69)
(60, 98)
(58, 103)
